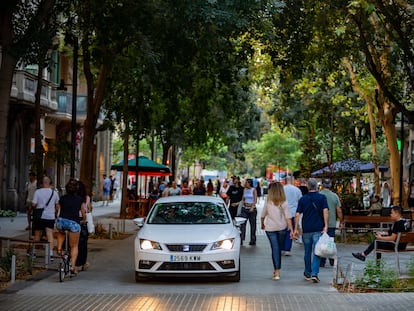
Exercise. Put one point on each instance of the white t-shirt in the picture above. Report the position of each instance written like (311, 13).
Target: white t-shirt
(293, 195)
(40, 198)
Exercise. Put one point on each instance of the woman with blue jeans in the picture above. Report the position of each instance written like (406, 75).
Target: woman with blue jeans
(275, 220)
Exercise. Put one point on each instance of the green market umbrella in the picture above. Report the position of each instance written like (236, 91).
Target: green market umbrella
(146, 167)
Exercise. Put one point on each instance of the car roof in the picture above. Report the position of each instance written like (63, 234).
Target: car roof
(190, 198)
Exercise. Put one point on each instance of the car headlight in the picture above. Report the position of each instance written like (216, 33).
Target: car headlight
(223, 244)
(148, 244)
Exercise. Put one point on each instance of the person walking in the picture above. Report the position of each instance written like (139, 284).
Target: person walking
(249, 211)
(31, 187)
(235, 195)
(223, 190)
(314, 210)
(173, 189)
(70, 205)
(276, 221)
(218, 186)
(81, 260)
(386, 195)
(44, 204)
(335, 212)
(293, 195)
(106, 190)
(210, 187)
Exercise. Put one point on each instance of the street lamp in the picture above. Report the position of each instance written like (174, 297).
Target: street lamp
(74, 106)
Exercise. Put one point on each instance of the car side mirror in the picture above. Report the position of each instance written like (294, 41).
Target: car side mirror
(139, 222)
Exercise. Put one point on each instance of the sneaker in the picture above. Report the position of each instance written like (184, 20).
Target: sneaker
(359, 256)
(288, 253)
(315, 279)
(252, 243)
(307, 277)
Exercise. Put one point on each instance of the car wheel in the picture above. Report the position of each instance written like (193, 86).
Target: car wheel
(139, 277)
(235, 277)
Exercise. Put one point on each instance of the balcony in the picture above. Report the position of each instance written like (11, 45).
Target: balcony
(64, 103)
(24, 90)
(57, 103)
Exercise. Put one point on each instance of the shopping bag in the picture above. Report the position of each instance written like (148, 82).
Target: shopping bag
(325, 247)
(91, 225)
(240, 209)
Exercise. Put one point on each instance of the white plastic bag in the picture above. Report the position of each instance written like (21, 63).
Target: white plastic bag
(91, 226)
(325, 247)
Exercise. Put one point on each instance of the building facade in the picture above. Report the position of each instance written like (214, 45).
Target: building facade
(55, 127)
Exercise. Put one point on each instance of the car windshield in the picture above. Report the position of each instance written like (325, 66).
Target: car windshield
(188, 213)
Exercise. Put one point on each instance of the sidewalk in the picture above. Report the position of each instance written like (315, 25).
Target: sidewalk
(15, 227)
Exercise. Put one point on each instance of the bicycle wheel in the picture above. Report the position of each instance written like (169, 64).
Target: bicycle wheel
(61, 271)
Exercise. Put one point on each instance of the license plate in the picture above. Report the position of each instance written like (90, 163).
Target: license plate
(185, 258)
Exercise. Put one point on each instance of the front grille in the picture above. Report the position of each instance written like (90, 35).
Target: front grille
(185, 266)
(186, 247)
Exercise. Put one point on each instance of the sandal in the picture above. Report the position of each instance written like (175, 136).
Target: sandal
(73, 272)
(85, 266)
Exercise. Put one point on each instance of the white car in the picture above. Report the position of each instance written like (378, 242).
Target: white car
(188, 236)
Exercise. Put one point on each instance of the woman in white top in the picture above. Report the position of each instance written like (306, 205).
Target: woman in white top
(275, 220)
(223, 190)
(249, 211)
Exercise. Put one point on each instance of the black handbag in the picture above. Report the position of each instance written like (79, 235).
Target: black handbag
(37, 213)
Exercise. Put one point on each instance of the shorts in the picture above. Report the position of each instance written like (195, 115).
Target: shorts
(42, 224)
(63, 224)
(106, 192)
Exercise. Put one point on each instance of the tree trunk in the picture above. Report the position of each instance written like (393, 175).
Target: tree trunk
(94, 103)
(388, 123)
(38, 136)
(6, 77)
(372, 123)
(125, 173)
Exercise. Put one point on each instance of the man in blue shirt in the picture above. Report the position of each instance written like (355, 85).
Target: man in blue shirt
(314, 208)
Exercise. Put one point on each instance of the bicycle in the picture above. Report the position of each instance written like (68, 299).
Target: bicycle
(65, 265)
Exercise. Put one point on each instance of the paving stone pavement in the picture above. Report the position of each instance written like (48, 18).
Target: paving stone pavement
(107, 286)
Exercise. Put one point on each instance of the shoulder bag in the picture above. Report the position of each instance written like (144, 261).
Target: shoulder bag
(38, 212)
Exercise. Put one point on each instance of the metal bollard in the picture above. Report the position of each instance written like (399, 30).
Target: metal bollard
(13, 268)
(110, 231)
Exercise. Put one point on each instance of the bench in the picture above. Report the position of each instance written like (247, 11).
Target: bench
(402, 237)
(379, 222)
(8, 241)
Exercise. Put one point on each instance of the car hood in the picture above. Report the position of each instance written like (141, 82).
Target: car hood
(187, 233)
